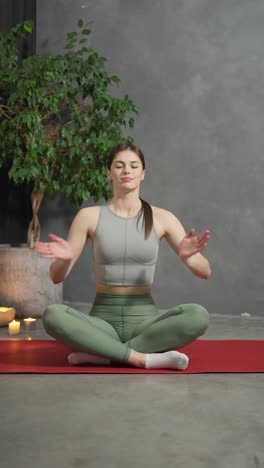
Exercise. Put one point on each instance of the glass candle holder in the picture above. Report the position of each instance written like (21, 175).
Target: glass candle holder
(29, 324)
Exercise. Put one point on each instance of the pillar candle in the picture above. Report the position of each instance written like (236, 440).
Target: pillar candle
(14, 327)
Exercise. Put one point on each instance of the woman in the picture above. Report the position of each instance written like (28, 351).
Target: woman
(124, 324)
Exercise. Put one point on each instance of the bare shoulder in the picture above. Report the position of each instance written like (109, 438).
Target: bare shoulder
(90, 210)
(165, 220)
(89, 217)
(160, 220)
(163, 216)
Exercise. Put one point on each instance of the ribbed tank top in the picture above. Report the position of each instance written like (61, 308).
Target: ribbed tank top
(121, 255)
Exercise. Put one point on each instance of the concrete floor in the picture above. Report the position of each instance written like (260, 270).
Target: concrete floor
(112, 421)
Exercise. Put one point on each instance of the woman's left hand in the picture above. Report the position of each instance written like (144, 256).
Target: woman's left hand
(190, 244)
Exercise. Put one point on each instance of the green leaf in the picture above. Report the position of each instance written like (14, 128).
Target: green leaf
(86, 49)
(115, 79)
(87, 32)
(131, 123)
(71, 35)
(28, 26)
(80, 23)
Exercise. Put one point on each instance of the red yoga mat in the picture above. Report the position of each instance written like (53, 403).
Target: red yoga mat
(206, 356)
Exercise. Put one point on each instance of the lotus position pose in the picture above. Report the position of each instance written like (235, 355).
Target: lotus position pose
(124, 323)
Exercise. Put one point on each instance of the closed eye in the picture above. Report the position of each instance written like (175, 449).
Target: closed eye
(133, 167)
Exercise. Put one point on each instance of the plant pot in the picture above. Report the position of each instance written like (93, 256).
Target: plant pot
(25, 283)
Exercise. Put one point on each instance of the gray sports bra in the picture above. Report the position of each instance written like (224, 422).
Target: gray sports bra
(121, 255)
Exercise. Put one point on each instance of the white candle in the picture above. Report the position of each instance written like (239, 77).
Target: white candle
(29, 323)
(14, 327)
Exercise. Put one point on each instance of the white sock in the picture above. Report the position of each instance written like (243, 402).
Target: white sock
(82, 358)
(168, 360)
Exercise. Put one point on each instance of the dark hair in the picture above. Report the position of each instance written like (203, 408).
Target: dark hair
(146, 209)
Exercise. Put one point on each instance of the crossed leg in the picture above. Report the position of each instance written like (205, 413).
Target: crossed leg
(83, 333)
(174, 329)
(160, 336)
(171, 330)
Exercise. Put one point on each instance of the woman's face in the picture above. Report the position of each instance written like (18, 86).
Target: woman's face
(126, 170)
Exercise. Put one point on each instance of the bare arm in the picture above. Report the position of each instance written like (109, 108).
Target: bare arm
(65, 252)
(187, 247)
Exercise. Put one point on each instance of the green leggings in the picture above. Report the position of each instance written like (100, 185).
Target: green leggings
(118, 323)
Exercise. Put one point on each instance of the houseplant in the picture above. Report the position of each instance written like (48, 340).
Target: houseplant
(58, 120)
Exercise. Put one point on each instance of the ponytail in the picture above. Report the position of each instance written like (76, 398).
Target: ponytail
(146, 210)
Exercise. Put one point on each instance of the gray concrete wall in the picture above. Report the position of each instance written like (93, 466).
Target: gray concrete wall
(195, 70)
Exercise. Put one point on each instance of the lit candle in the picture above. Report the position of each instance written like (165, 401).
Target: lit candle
(14, 327)
(7, 314)
(29, 323)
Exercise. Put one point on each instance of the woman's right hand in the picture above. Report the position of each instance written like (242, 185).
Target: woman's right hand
(58, 248)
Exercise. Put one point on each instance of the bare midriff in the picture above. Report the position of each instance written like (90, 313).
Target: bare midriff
(108, 289)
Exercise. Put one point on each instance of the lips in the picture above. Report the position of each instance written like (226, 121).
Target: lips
(126, 179)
